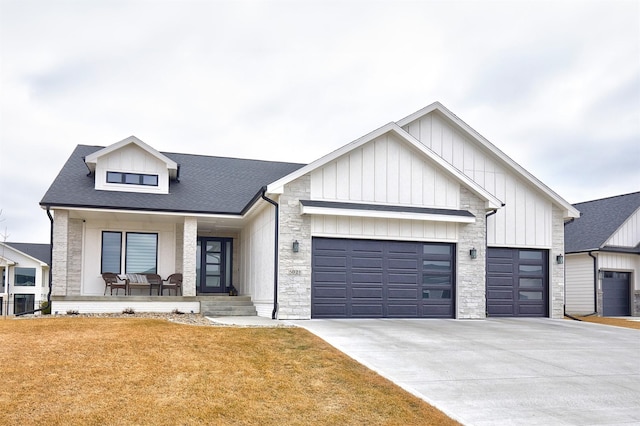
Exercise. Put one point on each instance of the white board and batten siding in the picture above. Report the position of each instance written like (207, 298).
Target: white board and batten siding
(628, 235)
(132, 159)
(526, 218)
(389, 172)
(256, 268)
(579, 288)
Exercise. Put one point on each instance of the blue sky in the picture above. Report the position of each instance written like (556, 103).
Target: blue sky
(555, 85)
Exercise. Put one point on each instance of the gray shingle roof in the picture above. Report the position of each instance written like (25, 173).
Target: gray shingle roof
(42, 252)
(207, 185)
(598, 220)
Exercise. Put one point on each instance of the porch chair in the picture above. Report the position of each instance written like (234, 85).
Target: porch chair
(112, 281)
(173, 281)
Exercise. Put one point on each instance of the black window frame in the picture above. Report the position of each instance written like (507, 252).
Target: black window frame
(124, 252)
(122, 178)
(102, 268)
(18, 281)
(27, 297)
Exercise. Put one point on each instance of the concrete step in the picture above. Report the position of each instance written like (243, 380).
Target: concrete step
(228, 306)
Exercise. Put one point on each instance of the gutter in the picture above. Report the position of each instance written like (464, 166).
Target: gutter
(275, 253)
(486, 257)
(50, 269)
(595, 281)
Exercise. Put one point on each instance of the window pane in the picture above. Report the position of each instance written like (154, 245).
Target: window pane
(111, 252)
(151, 180)
(141, 255)
(114, 177)
(25, 276)
(23, 303)
(531, 282)
(436, 249)
(436, 294)
(132, 178)
(531, 268)
(530, 295)
(436, 279)
(437, 264)
(530, 255)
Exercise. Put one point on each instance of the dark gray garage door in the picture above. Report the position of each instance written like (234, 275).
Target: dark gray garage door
(616, 295)
(517, 283)
(381, 279)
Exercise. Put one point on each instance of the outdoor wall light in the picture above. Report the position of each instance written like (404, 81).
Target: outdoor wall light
(473, 253)
(296, 246)
(559, 259)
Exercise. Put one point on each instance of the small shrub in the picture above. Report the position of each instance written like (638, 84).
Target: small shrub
(177, 312)
(73, 312)
(128, 311)
(45, 307)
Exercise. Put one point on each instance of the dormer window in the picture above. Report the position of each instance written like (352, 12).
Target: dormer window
(132, 178)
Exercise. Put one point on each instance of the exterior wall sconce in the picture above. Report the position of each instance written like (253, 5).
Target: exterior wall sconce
(559, 259)
(296, 246)
(473, 253)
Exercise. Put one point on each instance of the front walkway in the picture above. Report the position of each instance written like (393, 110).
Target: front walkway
(502, 371)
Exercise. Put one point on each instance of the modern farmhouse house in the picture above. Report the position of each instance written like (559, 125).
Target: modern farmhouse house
(420, 218)
(603, 257)
(24, 276)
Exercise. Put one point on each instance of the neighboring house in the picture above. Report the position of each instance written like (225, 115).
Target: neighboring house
(420, 218)
(603, 257)
(24, 276)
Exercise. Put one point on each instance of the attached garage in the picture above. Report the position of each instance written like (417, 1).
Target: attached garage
(382, 279)
(517, 283)
(616, 294)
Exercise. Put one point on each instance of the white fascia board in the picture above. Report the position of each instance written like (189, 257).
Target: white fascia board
(151, 212)
(277, 187)
(569, 210)
(329, 211)
(21, 253)
(93, 157)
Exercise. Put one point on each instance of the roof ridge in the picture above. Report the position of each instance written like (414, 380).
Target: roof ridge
(607, 198)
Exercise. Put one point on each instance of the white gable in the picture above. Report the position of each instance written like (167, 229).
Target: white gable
(133, 158)
(385, 170)
(628, 235)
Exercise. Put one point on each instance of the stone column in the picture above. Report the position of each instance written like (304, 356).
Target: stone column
(471, 288)
(294, 279)
(556, 272)
(59, 257)
(189, 246)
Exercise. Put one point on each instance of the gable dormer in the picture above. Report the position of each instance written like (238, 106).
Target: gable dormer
(131, 166)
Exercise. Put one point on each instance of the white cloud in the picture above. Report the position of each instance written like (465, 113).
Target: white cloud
(291, 81)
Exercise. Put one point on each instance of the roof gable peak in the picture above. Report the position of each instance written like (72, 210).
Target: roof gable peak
(92, 158)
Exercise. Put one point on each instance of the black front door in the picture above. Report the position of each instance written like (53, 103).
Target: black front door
(213, 265)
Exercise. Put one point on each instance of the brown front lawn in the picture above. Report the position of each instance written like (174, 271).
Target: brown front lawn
(61, 371)
(618, 322)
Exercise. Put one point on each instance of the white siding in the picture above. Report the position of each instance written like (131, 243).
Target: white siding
(92, 283)
(385, 229)
(256, 260)
(385, 171)
(131, 159)
(579, 287)
(628, 235)
(525, 220)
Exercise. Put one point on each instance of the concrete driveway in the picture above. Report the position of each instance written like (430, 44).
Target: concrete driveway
(502, 371)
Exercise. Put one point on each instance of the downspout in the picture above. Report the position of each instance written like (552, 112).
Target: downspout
(595, 281)
(486, 257)
(275, 253)
(50, 269)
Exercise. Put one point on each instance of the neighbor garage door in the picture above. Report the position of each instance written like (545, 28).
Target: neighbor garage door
(517, 283)
(616, 294)
(381, 279)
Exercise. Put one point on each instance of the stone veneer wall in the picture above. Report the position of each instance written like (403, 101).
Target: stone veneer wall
(556, 272)
(179, 247)
(74, 257)
(470, 280)
(59, 255)
(189, 248)
(294, 275)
